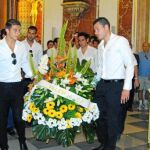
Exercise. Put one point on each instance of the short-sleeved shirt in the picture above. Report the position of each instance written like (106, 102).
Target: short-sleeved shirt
(144, 64)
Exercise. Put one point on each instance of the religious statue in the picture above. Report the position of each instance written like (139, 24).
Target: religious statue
(34, 10)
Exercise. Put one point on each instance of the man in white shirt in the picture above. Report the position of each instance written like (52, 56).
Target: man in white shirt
(115, 73)
(13, 57)
(85, 51)
(32, 46)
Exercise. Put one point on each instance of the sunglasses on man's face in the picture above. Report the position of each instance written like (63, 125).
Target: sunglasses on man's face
(14, 61)
(31, 52)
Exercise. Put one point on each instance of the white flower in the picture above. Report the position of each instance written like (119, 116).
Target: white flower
(43, 68)
(78, 76)
(54, 94)
(24, 115)
(40, 118)
(54, 82)
(78, 88)
(95, 116)
(87, 117)
(62, 124)
(67, 88)
(52, 123)
(75, 122)
(85, 82)
(50, 99)
(64, 82)
(44, 60)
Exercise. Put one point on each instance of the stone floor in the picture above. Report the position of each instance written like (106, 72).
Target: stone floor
(133, 138)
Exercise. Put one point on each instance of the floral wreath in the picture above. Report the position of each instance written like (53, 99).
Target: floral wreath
(59, 102)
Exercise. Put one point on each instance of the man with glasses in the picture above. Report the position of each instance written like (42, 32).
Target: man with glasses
(13, 57)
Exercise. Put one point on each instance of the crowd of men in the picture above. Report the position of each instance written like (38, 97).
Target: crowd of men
(118, 73)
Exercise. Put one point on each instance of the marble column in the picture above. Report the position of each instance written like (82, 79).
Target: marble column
(142, 22)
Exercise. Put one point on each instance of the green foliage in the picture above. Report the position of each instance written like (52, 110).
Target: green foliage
(74, 60)
(66, 137)
(42, 132)
(61, 41)
(69, 59)
(85, 68)
(88, 130)
(34, 72)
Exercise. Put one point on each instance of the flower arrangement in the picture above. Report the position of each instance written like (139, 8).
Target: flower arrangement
(59, 102)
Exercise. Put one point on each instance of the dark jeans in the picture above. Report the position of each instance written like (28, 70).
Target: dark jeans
(127, 106)
(108, 97)
(11, 96)
(10, 123)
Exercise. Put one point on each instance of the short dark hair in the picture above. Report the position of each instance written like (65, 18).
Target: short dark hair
(56, 40)
(103, 21)
(2, 32)
(33, 28)
(86, 35)
(50, 41)
(12, 22)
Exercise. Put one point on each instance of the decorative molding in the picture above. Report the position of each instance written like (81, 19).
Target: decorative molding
(76, 8)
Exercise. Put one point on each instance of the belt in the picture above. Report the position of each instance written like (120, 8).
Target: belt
(113, 80)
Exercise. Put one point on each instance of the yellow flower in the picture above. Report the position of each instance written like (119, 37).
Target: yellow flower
(59, 115)
(78, 115)
(63, 108)
(80, 109)
(71, 107)
(45, 111)
(32, 106)
(50, 105)
(52, 113)
(68, 124)
(29, 117)
(35, 110)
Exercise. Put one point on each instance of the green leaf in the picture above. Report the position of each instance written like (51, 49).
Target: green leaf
(69, 59)
(88, 132)
(34, 72)
(40, 132)
(85, 68)
(66, 137)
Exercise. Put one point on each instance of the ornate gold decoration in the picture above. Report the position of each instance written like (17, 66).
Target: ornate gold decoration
(75, 8)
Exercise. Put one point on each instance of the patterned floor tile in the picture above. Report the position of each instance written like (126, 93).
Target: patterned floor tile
(14, 145)
(41, 145)
(127, 141)
(130, 119)
(141, 124)
(132, 129)
(140, 135)
(62, 148)
(143, 116)
(143, 147)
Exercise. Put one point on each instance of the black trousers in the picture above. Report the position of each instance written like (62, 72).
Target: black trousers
(108, 96)
(11, 96)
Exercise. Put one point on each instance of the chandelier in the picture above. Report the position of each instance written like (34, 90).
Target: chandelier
(75, 8)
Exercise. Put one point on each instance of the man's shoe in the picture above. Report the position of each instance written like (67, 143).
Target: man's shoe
(23, 146)
(11, 131)
(101, 147)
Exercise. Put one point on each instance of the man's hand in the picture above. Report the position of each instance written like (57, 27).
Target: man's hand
(125, 96)
(136, 83)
